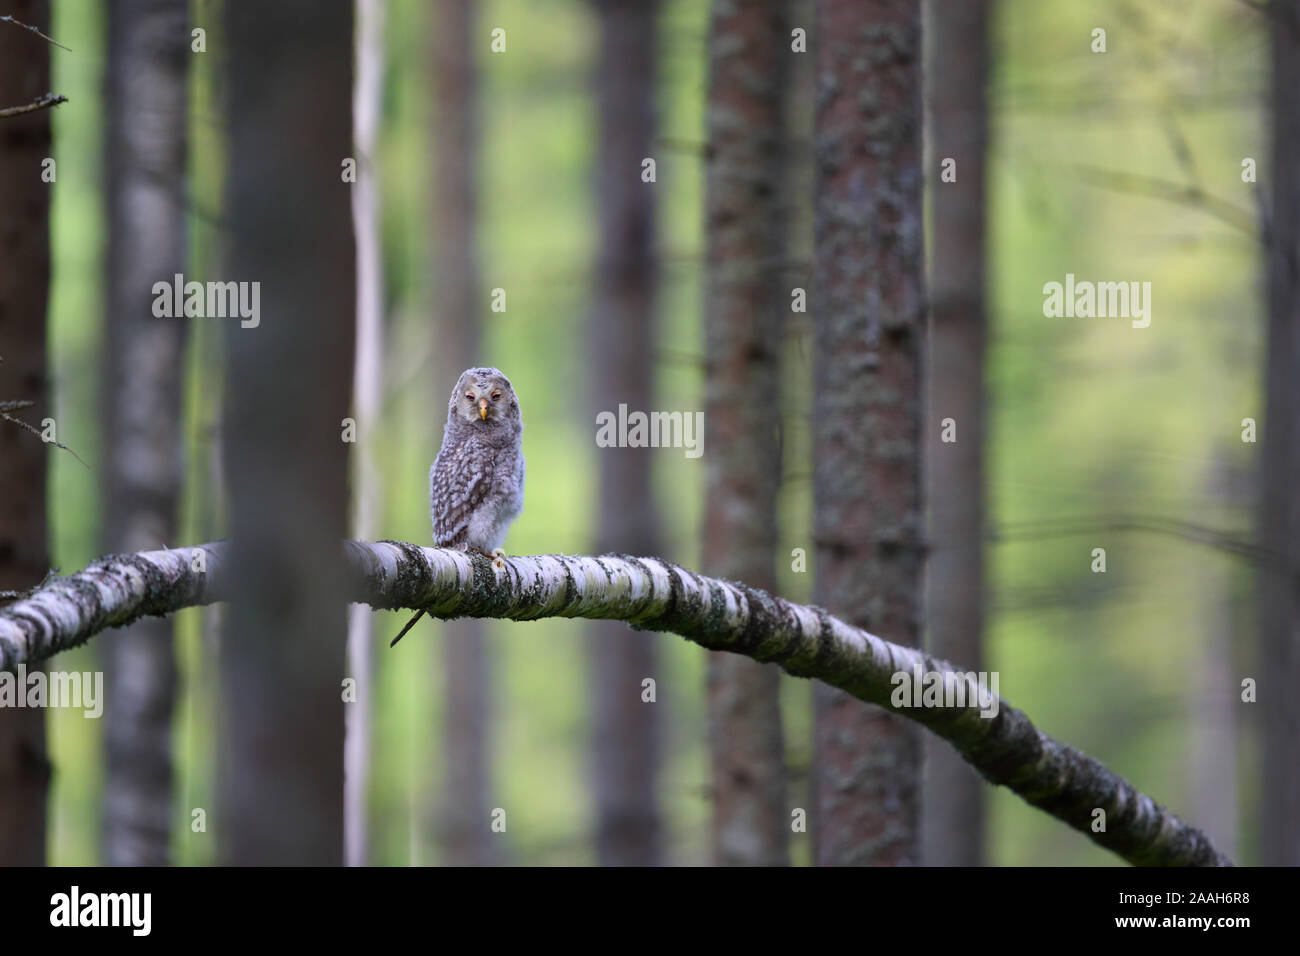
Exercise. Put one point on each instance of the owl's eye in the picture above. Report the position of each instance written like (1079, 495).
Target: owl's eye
(495, 396)
(469, 396)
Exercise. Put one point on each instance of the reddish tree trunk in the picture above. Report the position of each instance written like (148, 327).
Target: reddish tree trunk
(625, 746)
(869, 325)
(749, 46)
(953, 807)
(24, 458)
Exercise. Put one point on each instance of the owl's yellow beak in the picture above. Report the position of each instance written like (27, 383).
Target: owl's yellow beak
(482, 409)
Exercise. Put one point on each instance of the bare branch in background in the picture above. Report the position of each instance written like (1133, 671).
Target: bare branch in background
(1167, 191)
(1242, 545)
(8, 406)
(31, 29)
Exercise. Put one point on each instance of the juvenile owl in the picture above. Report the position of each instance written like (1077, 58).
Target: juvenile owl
(476, 485)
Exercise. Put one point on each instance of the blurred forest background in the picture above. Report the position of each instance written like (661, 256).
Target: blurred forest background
(1098, 434)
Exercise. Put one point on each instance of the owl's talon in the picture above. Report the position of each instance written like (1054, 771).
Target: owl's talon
(498, 559)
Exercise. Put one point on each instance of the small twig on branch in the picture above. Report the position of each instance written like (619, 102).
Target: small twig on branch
(8, 406)
(28, 592)
(650, 594)
(50, 575)
(42, 103)
(31, 29)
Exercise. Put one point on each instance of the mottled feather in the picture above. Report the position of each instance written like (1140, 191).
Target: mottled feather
(461, 482)
(476, 485)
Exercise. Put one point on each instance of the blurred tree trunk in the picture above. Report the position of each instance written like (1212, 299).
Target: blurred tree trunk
(1212, 726)
(146, 109)
(466, 670)
(868, 310)
(953, 807)
(1279, 515)
(24, 289)
(205, 501)
(621, 335)
(289, 118)
(367, 398)
(749, 51)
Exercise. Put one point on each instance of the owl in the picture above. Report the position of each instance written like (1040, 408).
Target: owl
(476, 485)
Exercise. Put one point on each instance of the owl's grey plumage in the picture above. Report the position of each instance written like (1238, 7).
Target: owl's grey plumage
(476, 485)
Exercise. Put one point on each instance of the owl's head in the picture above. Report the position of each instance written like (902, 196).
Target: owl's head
(485, 397)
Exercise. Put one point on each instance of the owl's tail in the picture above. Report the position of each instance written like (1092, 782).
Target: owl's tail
(409, 624)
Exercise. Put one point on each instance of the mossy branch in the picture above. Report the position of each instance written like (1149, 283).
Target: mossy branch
(650, 594)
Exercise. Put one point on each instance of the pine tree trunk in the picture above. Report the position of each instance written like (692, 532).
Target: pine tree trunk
(626, 740)
(953, 808)
(289, 104)
(749, 44)
(1279, 515)
(869, 326)
(24, 458)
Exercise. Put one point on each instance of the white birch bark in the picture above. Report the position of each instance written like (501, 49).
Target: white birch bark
(367, 396)
(648, 594)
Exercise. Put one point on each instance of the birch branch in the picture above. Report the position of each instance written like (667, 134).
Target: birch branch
(648, 594)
